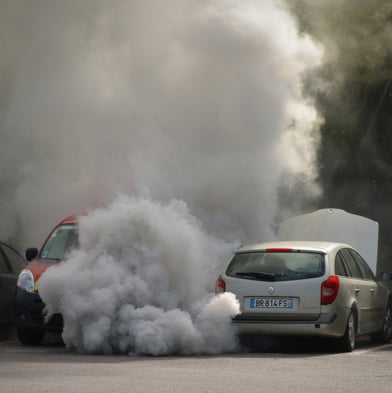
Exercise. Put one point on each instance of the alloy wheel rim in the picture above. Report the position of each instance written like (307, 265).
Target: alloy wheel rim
(388, 323)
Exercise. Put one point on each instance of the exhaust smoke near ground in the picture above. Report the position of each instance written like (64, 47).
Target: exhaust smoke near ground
(141, 283)
(195, 110)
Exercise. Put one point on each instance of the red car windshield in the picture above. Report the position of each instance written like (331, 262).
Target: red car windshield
(62, 240)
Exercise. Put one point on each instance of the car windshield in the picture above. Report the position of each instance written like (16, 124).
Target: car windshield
(276, 266)
(63, 239)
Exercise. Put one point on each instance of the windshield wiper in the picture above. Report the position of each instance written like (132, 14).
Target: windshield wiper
(51, 259)
(263, 276)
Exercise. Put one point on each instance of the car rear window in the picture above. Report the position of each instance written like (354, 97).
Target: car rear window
(277, 266)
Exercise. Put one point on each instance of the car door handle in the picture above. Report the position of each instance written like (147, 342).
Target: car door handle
(357, 290)
(372, 290)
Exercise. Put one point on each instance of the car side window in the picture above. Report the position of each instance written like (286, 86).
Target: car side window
(350, 263)
(3, 264)
(340, 268)
(16, 261)
(363, 266)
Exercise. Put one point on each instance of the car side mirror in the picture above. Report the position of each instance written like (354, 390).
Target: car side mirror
(386, 276)
(31, 253)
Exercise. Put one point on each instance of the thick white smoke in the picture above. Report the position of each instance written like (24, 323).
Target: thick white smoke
(187, 100)
(141, 283)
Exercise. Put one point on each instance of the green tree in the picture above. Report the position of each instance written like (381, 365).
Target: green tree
(353, 92)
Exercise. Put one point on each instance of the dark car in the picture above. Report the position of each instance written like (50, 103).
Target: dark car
(11, 264)
(29, 307)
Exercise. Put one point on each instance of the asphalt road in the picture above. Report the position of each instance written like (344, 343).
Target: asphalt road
(278, 366)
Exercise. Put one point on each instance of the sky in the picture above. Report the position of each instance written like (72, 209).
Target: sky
(173, 124)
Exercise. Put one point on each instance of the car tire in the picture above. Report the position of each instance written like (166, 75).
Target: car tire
(385, 334)
(346, 343)
(29, 336)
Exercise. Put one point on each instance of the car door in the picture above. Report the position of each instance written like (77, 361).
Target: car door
(11, 264)
(7, 290)
(363, 292)
(378, 299)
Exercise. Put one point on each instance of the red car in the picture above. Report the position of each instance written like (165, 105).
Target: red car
(29, 307)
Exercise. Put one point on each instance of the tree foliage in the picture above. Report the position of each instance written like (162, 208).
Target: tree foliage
(353, 92)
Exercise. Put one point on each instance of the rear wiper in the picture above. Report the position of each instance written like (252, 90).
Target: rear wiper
(307, 274)
(259, 275)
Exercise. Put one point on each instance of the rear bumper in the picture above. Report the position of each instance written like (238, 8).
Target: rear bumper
(320, 325)
(29, 313)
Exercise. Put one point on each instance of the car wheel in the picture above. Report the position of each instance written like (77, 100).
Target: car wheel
(385, 334)
(347, 342)
(29, 336)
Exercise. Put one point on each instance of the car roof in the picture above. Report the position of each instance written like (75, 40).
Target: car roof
(3, 243)
(70, 219)
(319, 246)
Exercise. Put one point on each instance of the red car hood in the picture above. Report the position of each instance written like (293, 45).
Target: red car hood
(38, 268)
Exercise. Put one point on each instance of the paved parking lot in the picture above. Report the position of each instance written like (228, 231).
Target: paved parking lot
(301, 367)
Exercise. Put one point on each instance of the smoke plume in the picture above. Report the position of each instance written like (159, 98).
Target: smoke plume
(193, 100)
(192, 108)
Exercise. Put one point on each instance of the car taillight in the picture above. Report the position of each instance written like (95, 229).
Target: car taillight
(329, 290)
(220, 285)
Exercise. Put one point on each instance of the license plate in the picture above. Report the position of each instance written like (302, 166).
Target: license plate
(260, 302)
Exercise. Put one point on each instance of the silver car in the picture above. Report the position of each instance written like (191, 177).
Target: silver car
(307, 288)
